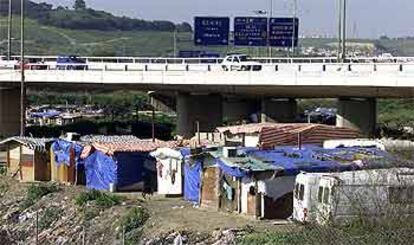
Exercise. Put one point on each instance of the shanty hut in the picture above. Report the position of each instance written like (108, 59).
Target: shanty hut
(66, 167)
(121, 165)
(260, 183)
(270, 135)
(27, 158)
(170, 164)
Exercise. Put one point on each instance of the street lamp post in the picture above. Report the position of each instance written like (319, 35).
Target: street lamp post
(343, 52)
(9, 31)
(295, 9)
(342, 11)
(22, 81)
(268, 31)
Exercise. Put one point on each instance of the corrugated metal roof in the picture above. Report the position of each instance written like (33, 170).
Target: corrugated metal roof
(279, 134)
(145, 145)
(109, 139)
(38, 144)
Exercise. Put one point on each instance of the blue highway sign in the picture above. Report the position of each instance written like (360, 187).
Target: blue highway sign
(211, 30)
(250, 31)
(282, 31)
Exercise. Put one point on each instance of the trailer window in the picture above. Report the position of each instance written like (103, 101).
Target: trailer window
(296, 191)
(320, 193)
(301, 192)
(326, 193)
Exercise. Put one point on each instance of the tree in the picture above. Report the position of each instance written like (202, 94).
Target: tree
(79, 5)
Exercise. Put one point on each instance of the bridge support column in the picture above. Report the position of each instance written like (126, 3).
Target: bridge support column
(207, 110)
(237, 110)
(360, 114)
(9, 112)
(278, 110)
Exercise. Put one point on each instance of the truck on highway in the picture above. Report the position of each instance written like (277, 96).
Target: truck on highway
(71, 62)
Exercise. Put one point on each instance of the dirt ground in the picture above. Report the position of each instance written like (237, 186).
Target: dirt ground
(175, 214)
(167, 217)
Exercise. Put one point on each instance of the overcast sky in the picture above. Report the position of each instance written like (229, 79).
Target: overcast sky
(367, 18)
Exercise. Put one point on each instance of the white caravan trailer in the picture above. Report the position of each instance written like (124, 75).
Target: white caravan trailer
(304, 196)
(344, 197)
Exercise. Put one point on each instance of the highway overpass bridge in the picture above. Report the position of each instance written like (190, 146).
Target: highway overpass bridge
(202, 91)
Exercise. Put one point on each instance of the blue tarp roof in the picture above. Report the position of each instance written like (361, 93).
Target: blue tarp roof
(46, 114)
(291, 161)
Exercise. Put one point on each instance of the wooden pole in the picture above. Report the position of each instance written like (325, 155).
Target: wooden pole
(9, 31)
(22, 81)
(153, 124)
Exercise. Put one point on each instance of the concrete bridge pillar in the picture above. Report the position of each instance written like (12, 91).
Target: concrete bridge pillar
(207, 110)
(239, 110)
(278, 110)
(9, 112)
(360, 114)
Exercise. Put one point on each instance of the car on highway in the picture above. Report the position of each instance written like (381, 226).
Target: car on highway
(7, 64)
(240, 62)
(70, 62)
(31, 64)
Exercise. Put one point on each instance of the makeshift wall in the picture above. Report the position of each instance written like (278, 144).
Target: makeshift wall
(250, 198)
(229, 193)
(127, 171)
(136, 171)
(27, 164)
(13, 163)
(192, 180)
(65, 161)
(209, 187)
(169, 176)
(277, 197)
(41, 166)
(100, 171)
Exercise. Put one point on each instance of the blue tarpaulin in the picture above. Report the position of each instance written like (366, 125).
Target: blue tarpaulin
(123, 169)
(62, 152)
(231, 170)
(100, 171)
(316, 159)
(192, 180)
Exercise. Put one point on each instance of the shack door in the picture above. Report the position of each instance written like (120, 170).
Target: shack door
(209, 188)
(229, 193)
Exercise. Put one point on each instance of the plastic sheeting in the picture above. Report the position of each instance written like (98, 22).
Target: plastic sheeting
(123, 170)
(315, 159)
(192, 180)
(231, 170)
(62, 152)
(100, 170)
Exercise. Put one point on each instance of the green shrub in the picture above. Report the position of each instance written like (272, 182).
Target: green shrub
(100, 199)
(132, 224)
(134, 219)
(50, 215)
(37, 191)
(89, 213)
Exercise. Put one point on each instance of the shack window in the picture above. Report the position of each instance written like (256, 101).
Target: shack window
(320, 194)
(326, 192)
(297, 191)
(301, 192)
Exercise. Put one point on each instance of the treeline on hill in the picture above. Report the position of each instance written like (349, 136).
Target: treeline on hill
(81, 17)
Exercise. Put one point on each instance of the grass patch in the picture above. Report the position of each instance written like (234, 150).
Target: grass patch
(37, 191)
(98, 198)
(50, 215)
(132, 223)
(315, 235)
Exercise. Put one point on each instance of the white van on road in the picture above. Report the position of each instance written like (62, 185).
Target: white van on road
(240, 62)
